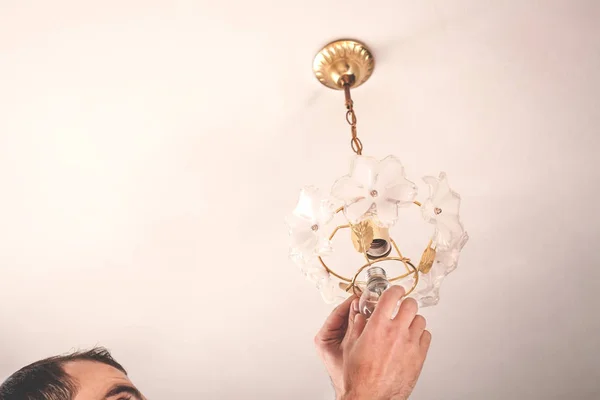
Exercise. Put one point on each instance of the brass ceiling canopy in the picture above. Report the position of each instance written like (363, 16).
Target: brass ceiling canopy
(341, 58)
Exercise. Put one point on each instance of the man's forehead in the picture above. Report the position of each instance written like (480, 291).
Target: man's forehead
(99, 381)
(77, 368)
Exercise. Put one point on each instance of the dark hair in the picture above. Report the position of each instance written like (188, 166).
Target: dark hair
(47, 380)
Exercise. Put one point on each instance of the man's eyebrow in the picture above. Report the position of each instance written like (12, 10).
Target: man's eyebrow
(121, 389)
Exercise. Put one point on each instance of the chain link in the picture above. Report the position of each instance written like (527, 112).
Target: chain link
(355, 142)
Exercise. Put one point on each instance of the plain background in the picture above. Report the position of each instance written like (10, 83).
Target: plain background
(149, 151)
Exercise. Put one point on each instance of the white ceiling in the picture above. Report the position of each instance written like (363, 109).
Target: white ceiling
(149, 151)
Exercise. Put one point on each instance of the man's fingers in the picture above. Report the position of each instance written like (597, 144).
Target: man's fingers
(386, 304)
(352, 313)
(407, 312)
(425, 342)
(339, 315)
(336, 321)
(417, 327)
(343, 309)
(358, 326)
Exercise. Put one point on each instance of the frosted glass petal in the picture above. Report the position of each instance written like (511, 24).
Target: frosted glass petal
(303, 241)
(433, 183)
(298, 222)
(387, 212)
(330, 291)
(427, 293)
(364, 171)
(428, 211)
(448, 228)
(347, 190)
(324, 246)
(441, 196)
(299, 260)
(313, 206)
(358, 210)
(388, 172)
(392, 183)
(449, 257)
(316, 274)
(307, 207)
(442, 210)
(402, 193)
(308, 236)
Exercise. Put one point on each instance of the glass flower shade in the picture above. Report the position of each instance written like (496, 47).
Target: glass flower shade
(308, 223)
(308, 229)
(427, 292)
(375, 190)
(442, 210)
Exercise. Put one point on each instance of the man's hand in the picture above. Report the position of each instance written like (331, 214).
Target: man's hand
(332, 338)
(384, 357)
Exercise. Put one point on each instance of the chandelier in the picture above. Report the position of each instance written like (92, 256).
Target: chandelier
(365, 204)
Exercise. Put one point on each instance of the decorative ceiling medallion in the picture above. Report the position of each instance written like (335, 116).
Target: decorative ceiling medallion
(343, 58)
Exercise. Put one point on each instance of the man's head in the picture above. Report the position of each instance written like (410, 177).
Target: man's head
(88, 375)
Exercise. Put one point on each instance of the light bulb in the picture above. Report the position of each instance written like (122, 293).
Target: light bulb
(377, 283)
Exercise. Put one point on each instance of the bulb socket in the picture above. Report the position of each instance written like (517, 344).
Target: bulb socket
(379, 248)
(377, 239)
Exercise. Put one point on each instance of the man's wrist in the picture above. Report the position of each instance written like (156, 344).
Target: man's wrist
(360, 396)
(349, 396)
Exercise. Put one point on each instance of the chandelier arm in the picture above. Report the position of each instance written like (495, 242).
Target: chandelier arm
(337, 228)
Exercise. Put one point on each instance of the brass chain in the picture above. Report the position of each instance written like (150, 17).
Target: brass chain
(355, 142)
